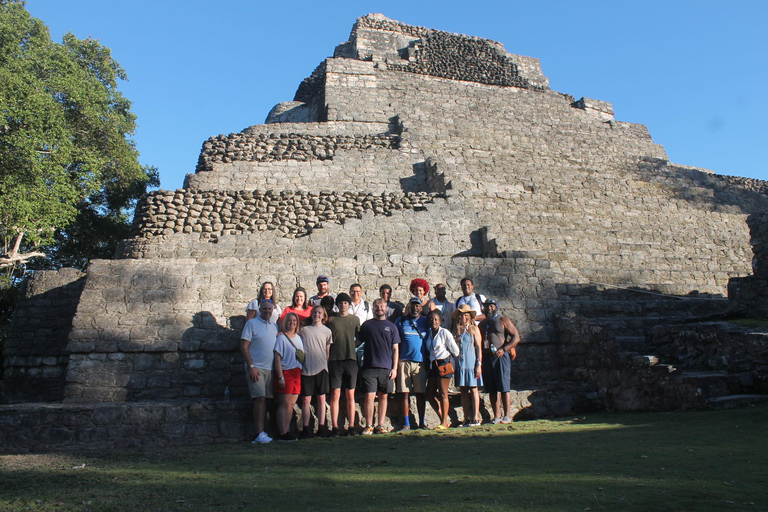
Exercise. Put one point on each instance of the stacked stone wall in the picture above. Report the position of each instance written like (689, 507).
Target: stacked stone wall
(249, 147)
(35, 354)
(235, 213)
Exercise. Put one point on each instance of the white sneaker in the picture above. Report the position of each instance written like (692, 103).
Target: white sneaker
(262, 438)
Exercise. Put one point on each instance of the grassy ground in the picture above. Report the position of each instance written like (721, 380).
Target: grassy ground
(645, 461)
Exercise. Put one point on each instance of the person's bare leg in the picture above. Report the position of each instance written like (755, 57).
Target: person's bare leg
(259, 411)
(383, 400)
(320, 410)
(282, 412)
(506, 398)
(421, 408)
(406, 398)
(306, 402)
(494, 404)
(444, 383)
(432, 387)
(475, 405)
(368, 408)
(350, 394)
(465, 402)
(335, 397)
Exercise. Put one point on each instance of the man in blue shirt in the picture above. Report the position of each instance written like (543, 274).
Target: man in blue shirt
(412, 369)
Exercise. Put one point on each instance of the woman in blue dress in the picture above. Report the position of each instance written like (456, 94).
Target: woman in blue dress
(469, 363)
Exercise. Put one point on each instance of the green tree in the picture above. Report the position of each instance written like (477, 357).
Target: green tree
(69, 171)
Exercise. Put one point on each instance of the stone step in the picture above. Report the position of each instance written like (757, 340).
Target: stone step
(715, 383)
(735, 401)
(629, 343)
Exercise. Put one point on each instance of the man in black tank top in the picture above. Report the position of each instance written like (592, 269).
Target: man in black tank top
(500, 337)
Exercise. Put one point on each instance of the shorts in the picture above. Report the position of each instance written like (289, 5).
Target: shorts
(377, 380)
(411, 377)
(497, 372)
(261, 388)
(313, 385)
(342, 374)
(434, 373)
(292, 382)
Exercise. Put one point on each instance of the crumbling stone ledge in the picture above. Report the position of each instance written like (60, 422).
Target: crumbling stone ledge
(292, 214)
(270, 147)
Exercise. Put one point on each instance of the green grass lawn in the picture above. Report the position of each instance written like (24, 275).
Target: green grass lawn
(713, 460)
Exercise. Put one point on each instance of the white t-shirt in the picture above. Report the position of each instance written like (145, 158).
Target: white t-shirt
(262, 336)
(287, 352)
(360, 311)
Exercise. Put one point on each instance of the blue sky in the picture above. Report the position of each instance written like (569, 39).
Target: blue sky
(694, 72)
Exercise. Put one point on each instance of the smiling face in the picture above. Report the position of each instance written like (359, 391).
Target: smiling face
(265, 310)
(318, 315)
(440, 293)
(299, 299)
(356, 293)
(464, 318)
(467, 287)
(267, 291)
(380, 309)
(415, 310)
(291, 324)
(420, 292)
(322, 288)
(434, 321)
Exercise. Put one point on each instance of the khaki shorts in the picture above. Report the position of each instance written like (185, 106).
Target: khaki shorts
(263, 387)
(411, 377)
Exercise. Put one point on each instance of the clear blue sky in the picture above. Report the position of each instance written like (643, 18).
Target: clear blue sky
(694, 72)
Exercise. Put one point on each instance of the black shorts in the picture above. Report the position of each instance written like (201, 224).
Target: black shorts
(497, 372)
(313, 385)
(343, 374)
(377, 380)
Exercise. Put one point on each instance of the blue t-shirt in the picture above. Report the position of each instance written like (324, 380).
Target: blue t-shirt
(412, 347)
(379, 336)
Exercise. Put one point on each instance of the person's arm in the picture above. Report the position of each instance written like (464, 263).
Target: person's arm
(279, 370)
(478, 346)
(511, 334)
(450, 344)
(251, 314)
(247, 357)
(395, 361)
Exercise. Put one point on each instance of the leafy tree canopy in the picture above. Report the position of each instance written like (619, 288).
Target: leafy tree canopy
(69, 172)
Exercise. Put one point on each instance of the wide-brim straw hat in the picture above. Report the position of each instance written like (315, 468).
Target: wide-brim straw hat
(464, 308)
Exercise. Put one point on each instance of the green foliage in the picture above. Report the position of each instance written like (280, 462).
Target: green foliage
(68, 169)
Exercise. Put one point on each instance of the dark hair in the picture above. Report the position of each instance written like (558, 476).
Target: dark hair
(356, 285)
(467, 279)
(260, 296)
(293, 297)
(327, 302)
(385, 287)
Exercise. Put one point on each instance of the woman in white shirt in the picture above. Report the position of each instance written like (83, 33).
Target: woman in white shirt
(441, 346)
(287, 373)
(267, 292)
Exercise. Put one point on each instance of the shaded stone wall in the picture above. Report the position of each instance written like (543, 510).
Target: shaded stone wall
(35, 354)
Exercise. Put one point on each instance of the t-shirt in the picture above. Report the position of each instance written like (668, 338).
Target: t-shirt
(315, 339)
(362, 311)
(315, 300)
(379, 336)
(344, 329)
(261, 336)
(412, 347)
(303, 314)
(287, 352)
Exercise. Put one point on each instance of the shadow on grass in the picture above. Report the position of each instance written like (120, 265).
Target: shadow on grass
(658, 461)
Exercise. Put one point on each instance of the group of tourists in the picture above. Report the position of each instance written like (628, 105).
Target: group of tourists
(318, 346)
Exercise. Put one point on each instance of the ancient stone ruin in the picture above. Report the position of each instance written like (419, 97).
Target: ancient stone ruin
(410, 153)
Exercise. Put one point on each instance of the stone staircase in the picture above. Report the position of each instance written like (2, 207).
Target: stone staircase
(667, 355)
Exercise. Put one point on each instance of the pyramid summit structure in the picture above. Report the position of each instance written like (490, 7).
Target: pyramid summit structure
(410, 153)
